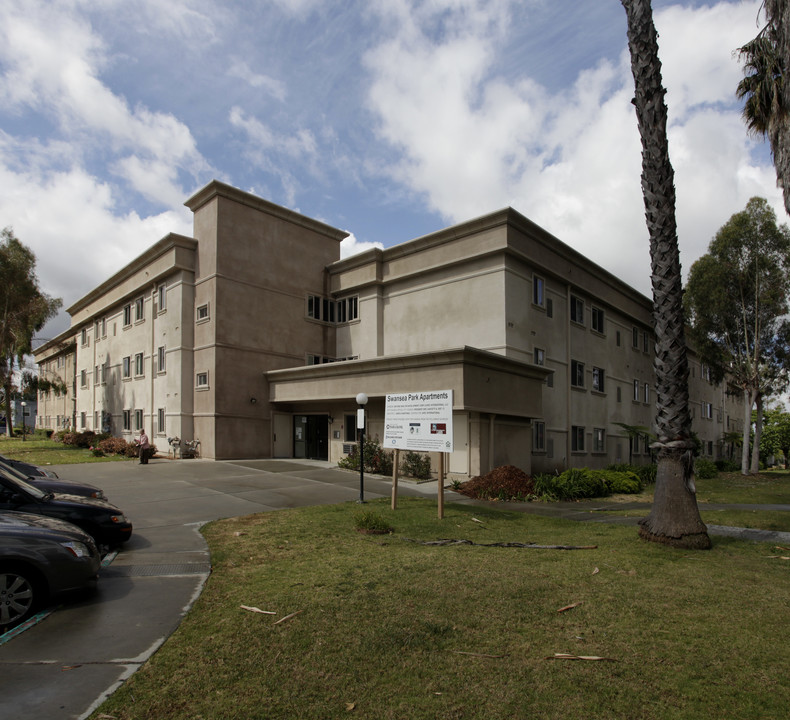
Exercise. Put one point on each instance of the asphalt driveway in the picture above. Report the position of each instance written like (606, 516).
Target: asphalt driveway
(68, 663)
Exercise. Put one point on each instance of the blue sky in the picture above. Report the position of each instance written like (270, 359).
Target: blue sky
(387, 118)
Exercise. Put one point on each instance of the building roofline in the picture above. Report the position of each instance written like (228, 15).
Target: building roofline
(219, 189)
(160, 248)
(506, 216)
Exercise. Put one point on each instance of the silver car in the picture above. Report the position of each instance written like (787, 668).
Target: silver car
(41, 558)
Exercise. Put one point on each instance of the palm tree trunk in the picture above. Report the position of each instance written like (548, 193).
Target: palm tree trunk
(674, 518)
(748, 403)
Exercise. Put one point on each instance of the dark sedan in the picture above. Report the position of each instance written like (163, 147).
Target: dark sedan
(41, 558)
(64, 487)
(28, 469)
(105, 523)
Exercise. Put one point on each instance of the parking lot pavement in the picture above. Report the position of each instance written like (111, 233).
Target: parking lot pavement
(66, 665)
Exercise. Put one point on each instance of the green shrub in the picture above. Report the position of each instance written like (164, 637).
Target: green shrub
(377, 460)
(577, 483)
(416, 465)
(620, 482)
(727, 466)
(544, 486)
(371, 522)
(705, 469)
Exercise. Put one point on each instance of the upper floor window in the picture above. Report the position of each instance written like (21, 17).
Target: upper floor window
(83, 378)
(598, 379)
(704, 372)
(161, 297)
(202, 313)
(127, 315)
(707, 410)
(636, 390)
(577, 438)
(577, 373)
(635, 338)
(538, 291)
(201, 381)
(577, 309)
(598, 320)
(138, 364)
(84, 337)
(647, 393)
(126, 367)
(645, 342)
(139, 309)
(160, 359)
(332, 311)
(540, 356)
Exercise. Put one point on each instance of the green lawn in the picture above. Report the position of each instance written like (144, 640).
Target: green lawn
(39, 451)
(381, 627)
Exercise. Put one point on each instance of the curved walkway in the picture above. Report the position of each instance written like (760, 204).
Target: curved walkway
(65, 666)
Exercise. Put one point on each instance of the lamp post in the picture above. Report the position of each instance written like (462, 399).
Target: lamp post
(24, 412)
(362, 400)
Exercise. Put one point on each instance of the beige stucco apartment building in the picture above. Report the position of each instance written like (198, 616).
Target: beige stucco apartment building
(253, 337)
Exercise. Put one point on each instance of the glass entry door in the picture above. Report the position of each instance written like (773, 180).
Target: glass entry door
(311, 437)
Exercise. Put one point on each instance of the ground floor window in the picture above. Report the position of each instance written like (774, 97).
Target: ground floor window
(138, 419)
(599, 440)
(539, 436)
(127, 420)
(577, 438)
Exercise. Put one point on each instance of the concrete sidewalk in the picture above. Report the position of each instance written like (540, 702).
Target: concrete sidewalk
(66, 665)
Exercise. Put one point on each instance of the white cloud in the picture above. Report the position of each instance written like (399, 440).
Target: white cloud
(472, 141)
(273, 87)
(352, 246)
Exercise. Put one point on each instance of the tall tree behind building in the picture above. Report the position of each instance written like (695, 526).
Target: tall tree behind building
(765, 89)
(23, 310)
(674, 517)
(736, 298)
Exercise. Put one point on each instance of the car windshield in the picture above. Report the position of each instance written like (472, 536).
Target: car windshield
(23, 485)
(12, 471)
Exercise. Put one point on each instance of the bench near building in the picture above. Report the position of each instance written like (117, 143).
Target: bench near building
(254, 337)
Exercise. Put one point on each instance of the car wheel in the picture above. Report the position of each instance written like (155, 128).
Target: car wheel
(18, 596)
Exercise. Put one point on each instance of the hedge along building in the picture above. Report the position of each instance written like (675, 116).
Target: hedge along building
(255, 338)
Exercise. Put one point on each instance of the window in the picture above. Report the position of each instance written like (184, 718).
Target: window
(577, 373)
(549, 308)
(139, 309)
(539, 436)
(104, 327)
(201, 380)
(95, 374)
(645, 342)
(138, 419)
(352, 307)
(636, 390)
(538, 290)
(127, 315)
(126, 367)
(127, 420)
(597, 320)
(710, 447)
(577, 438)
(550, 380)
(597, 379)
(138, 364)
(540, 356)
(635, 444)
(160, 420)
(82, 420)
(704, 372)
(161, 297)
(707, 410)
(599, 440)
(84, 337)
(332, 311)
(202, 313)
(83, 378)
(647, 393)
(635, 338)
(349, 428)
(619, 394)
(160, 359)
(577, 310)
(96, 421)
(314, 307)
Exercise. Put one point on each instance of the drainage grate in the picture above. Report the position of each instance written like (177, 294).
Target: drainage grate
(156, 570)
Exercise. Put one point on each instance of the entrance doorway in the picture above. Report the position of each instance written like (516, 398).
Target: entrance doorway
(311, 437)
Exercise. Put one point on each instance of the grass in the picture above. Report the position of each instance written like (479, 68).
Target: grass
(37, 450)
(387, 628)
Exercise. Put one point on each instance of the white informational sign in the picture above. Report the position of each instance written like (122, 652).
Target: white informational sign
(421, 421)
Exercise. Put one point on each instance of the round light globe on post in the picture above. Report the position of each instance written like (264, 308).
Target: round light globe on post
(362, 400)
(24, 410)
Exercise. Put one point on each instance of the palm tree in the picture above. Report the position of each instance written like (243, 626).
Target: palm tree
(766, 109)
(674, 518)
